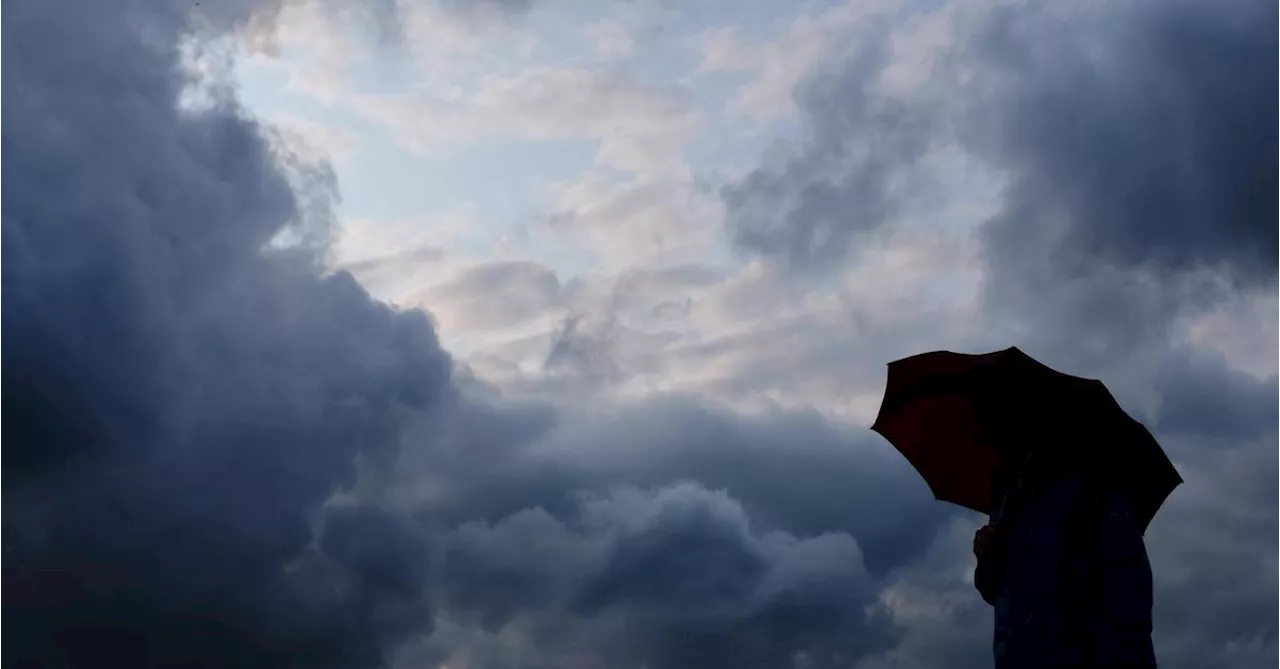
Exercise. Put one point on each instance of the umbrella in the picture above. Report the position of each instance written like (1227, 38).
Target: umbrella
(944, 411)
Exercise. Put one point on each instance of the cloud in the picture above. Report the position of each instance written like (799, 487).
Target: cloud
(612, 40)
(1124, 147)
(179, 398)
(586, 355)
(197, 420)
(1156, 146)
(849, 176)
(1134, 218)
(674, 577)
(339, 26)
(747, 335)
(393, 263)
(573, 537)
(1202, 395)
(314, 141)
(492, 295)
(1129, 166)
(778, 66)
(220, 453)
(639, 126)
(320, 40)
(1138, 165)
(643, 221)
(1214, 558)
(541, 460)
(1243, 331)
(331, 51)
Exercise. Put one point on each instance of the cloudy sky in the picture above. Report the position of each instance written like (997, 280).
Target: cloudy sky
(547, 333)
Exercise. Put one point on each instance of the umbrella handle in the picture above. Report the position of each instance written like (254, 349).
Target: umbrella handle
(1017, 485)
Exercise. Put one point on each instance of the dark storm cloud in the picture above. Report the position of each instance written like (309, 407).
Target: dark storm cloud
(1140, 152)
(1201, 395)
(1159, 147)
(182, 401)
(777, 545)
(679, 577)
(697, 589)
(177, 402)
(1214, 556)
(1137, 144)
(790, 471)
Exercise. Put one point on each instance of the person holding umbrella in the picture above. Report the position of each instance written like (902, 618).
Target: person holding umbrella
(1070, 483)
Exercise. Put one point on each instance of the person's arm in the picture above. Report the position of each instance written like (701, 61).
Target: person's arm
(990, 543)
(986, 578)
(987, 575)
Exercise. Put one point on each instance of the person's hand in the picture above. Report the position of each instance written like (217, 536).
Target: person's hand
(982, 540)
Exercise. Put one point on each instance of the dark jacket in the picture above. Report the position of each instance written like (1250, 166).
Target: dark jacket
(1069, 580)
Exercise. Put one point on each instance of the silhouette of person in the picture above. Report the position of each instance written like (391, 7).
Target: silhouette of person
(1063, 563)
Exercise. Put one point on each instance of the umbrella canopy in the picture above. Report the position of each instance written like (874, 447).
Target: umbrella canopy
(947, 412)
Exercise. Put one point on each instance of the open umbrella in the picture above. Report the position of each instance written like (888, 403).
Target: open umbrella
(944, 410)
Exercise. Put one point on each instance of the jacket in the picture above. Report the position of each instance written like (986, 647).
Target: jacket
(1069, 580)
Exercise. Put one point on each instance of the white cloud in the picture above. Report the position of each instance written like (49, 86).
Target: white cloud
(443, 42)
(490, 302)
(642, 221)
(656, 317)
(395, 258)
(663, 310)
(313, 140)
(777, 66)
(313, 46)
(641, 127)
(724, 51)
(611, 39)
(1244, 332)
(746, 336)
(762, 340)
(361, 239)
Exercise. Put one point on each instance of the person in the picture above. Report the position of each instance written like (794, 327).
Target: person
(1064, 566)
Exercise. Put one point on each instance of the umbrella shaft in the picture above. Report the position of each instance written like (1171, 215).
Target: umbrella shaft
(1006, 491)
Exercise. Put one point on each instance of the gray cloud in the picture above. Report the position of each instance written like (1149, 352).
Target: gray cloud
(672, 577)
(1141, 170)
(182, 403)
(394, 262)
(1158, 148)
(1139, 158)
(178, 401)
(1135, 141)
(848, 178)
(1214, 557)
(494, 295)
(381, 23)
(585, 355)
(574, 534)
(791, 471)
(220, 456)
(1201, 395)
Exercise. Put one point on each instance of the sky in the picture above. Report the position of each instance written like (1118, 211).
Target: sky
(548, 333)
